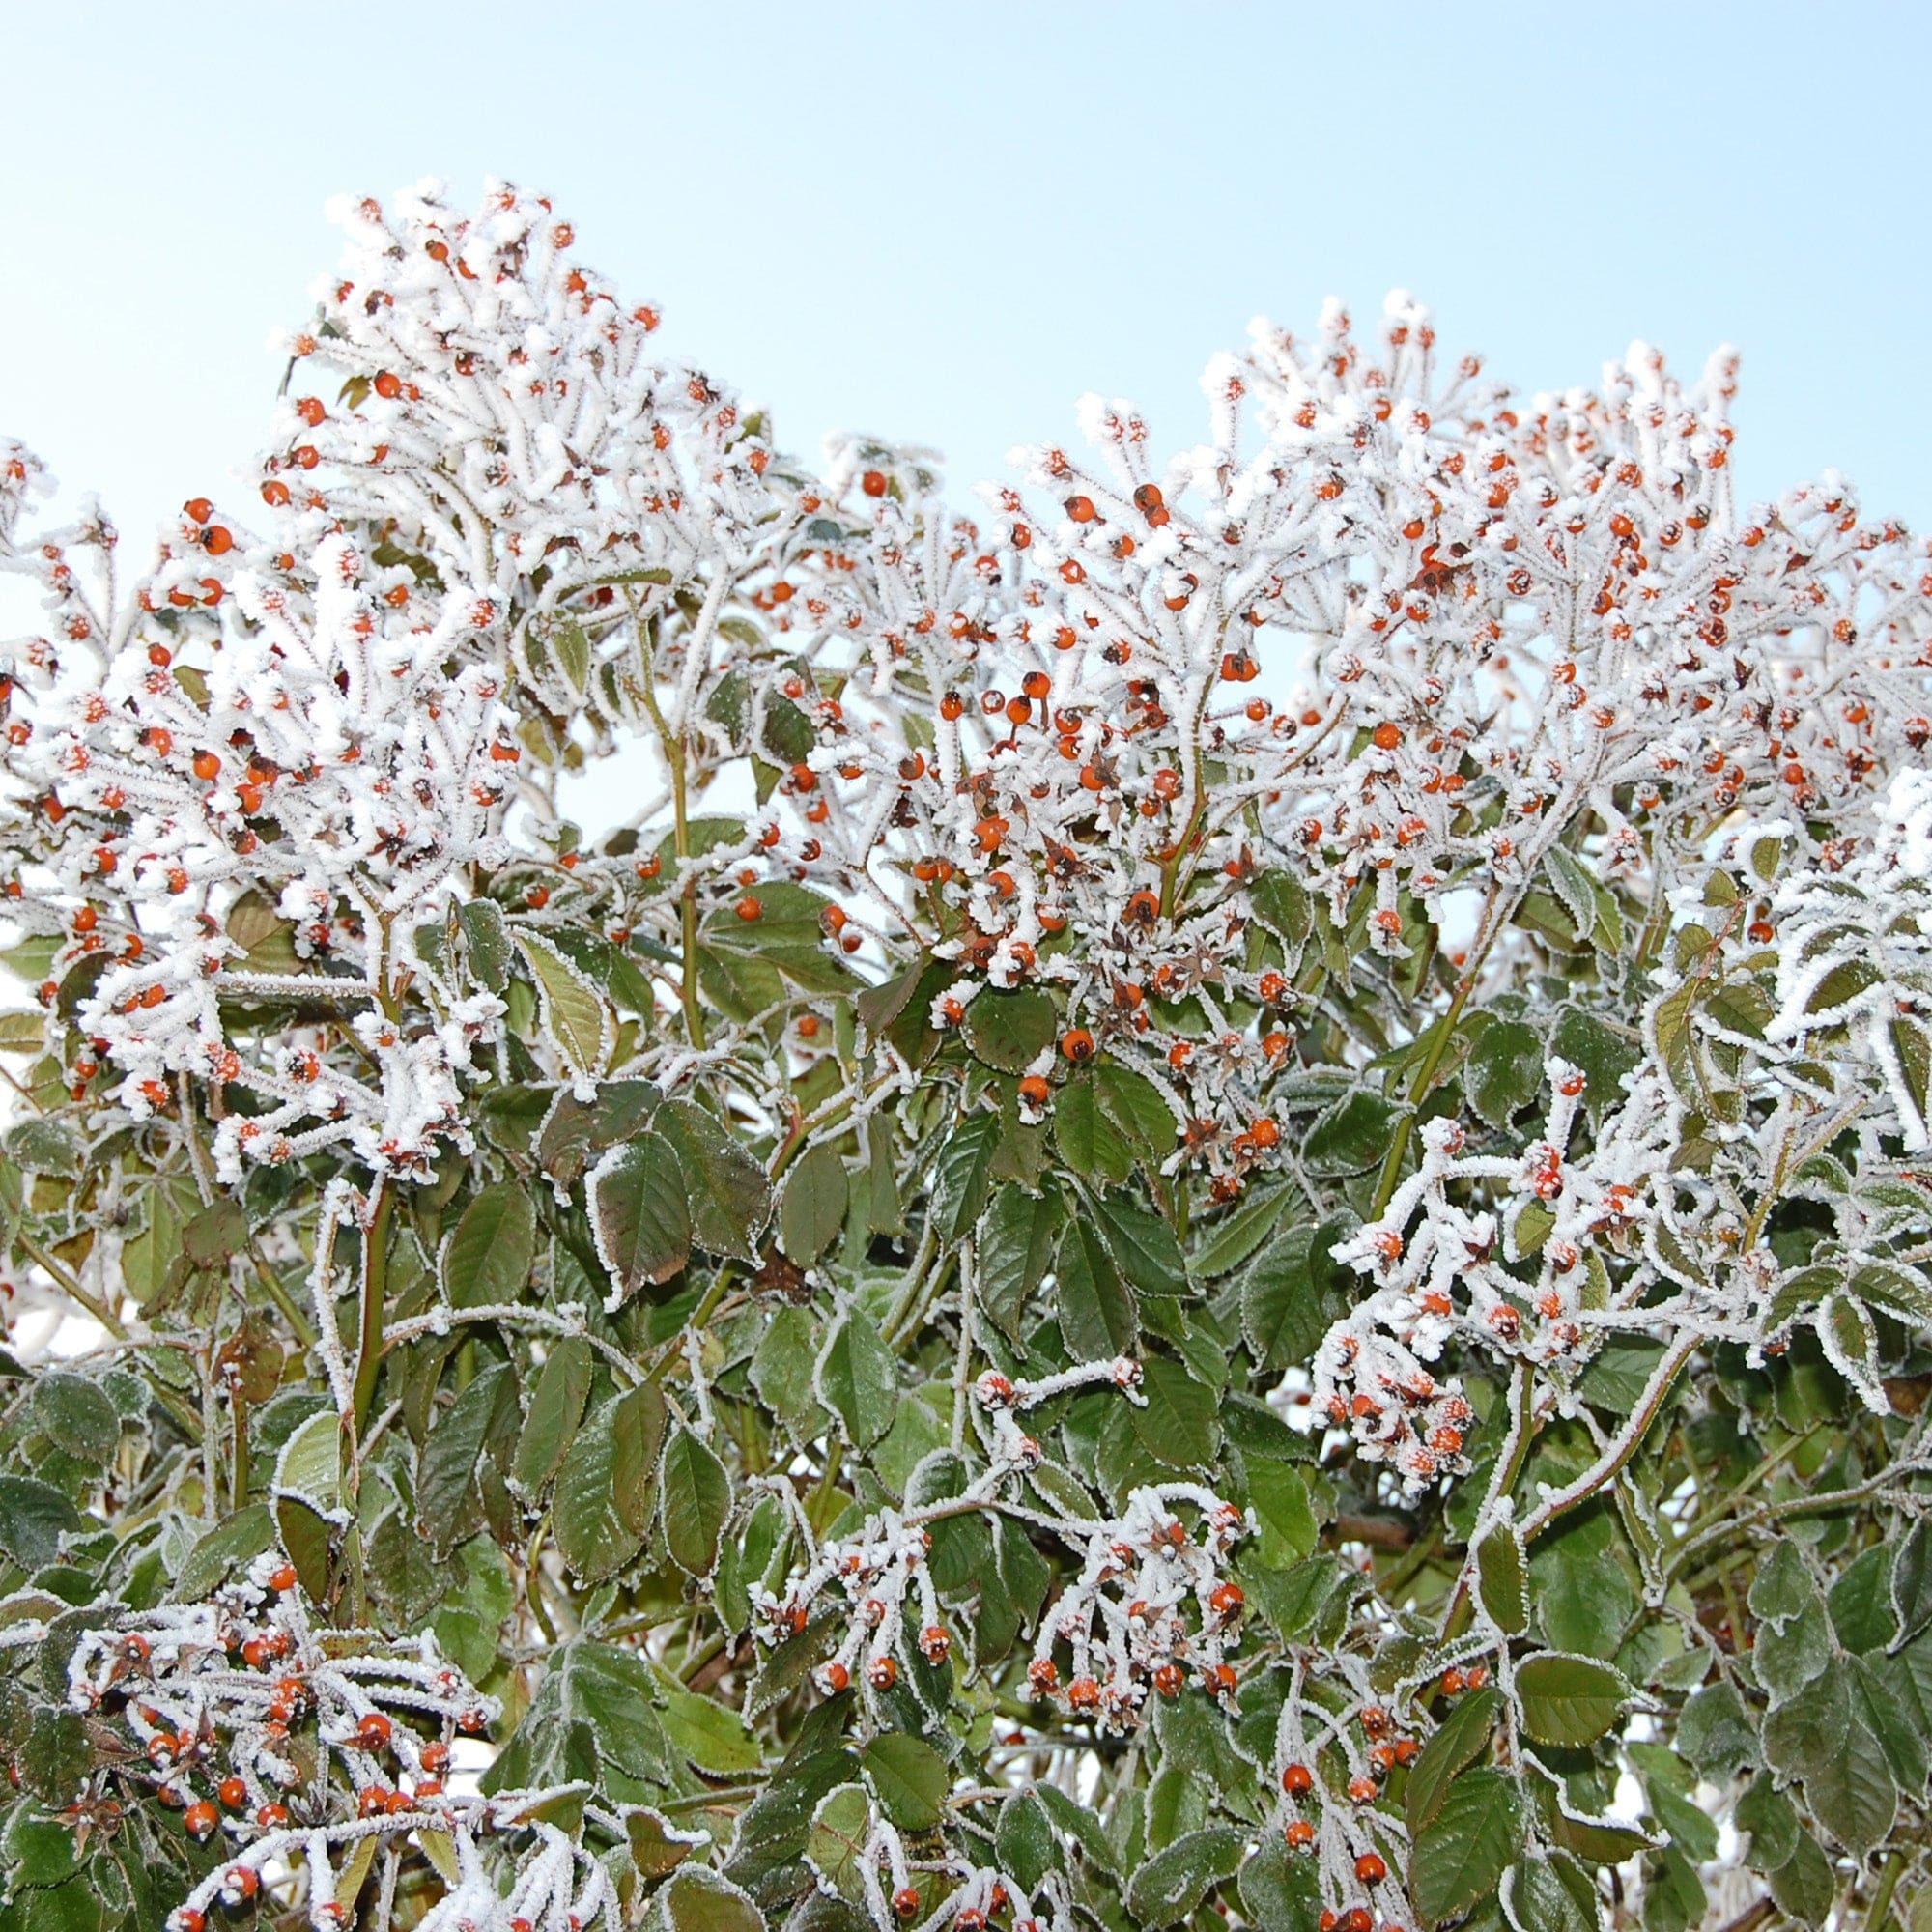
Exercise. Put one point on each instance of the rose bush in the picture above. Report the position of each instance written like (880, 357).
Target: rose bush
(1217, 1211)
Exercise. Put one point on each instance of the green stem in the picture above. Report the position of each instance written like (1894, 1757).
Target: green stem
(1457, 1619)
(290, 1311)
(674, 761)
(375, 1292)
(1887, 1883)
(818, 1511)
(238, 1462)
(702, 1800)
(70, 1286)
(533, 1579)
(1425, 1075)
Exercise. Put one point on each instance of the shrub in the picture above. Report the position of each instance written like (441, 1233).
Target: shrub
(1215, 1209)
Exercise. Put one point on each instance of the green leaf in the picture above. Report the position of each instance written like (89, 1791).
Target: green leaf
(44, 1147)
(812, 1212)
(1851, 1792)
(310, 1464)
(448, 1506)
(1851, 1347)
(789, 937)
(1281, 903)
(151, 1254)
(1133, 1105)
(1859, 1601)
(1887, 1701)
(639, 1215)
(224, 1551)
(1283, 1315)
(1143, 1246)
(878, 1007)
(1350, 1136)
(1570, 880)
(78, 1414)
(1278, 1496)
(38, 1850)
(1788, 1656)
(571, 1009)
(1089, 1142)
(600, 1514)
(305, 1535)
(1176, 1421)
(1016, 1243)
(729, 1198)
(1237, 1234)
(1023, 1839)
(1807, 1732)
(1536, 1899)
(1082, 1826)
(1009, 1031)
(1569, 1700)
(468, 1621)
(575, 1132)
(22, 1031)
(1097, 1310)
(1504, 1071)
(1313, 1596)
(697, 1500)
(1280, 1891)
(711, 1735)
(1462, 1737)
(1503, 1579)
(1842, 985)
(486, 937)
(834, 1848)
(859, 1378)
(696, 1899)
(1782, 1587)
(1598, 1051)
(598, 1695)
(1769, 1822)
(1912, 1581)
(1804, 1885)
(556, 1406)
(962, 1176)
(910, 1777)
(782, 1369)
(1715, 1733)
(1459, 1857)
(657, 1846)
(489, 1258)
(1168, 1885)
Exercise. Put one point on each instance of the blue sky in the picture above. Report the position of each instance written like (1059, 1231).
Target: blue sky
(944, 223)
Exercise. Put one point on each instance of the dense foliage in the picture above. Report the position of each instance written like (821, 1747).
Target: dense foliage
(1214, 1212)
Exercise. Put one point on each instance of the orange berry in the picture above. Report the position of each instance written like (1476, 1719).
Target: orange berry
(1077, 1046)
(750, 908)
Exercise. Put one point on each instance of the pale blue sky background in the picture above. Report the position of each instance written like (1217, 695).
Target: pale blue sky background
(943, 224)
